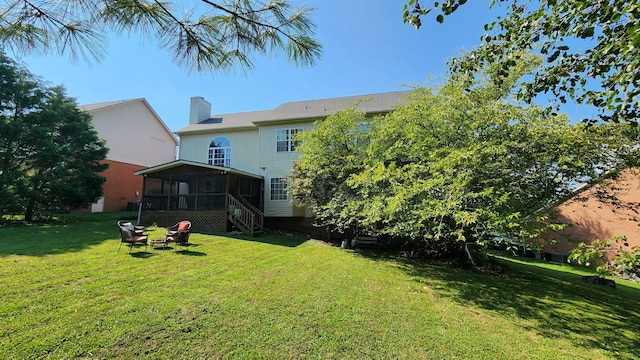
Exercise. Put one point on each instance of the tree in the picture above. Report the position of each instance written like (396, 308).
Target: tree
(330, 153)
(590, 48)
(625, 262)
(49, 152)
(209, 37)
(454, 165)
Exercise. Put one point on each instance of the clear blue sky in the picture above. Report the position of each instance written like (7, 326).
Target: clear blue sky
(367, 49)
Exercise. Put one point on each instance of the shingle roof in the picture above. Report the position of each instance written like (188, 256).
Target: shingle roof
(298, 110)
(182, 162)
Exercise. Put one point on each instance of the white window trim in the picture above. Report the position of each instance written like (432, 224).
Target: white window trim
(226, 160)
(291, 144)
(285, 181)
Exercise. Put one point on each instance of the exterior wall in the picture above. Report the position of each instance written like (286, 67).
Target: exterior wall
(600, 212)
(136, 139)
(244, 147)
(122, 186)
(253, 151)
(134, 134)
(276, 164)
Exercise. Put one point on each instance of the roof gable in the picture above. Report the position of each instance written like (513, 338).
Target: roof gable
(118, 103)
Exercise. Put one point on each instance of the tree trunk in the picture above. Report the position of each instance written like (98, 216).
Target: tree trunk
(28, 213)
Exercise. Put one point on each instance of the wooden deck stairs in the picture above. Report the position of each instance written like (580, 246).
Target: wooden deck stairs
(246, 217)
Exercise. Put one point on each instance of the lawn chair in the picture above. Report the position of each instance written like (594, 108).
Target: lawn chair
(129, 237)
(137, 229)
(179, 234)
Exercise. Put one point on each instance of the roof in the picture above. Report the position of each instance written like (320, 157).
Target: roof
(102, 105)
(181, 162)
(299, 110)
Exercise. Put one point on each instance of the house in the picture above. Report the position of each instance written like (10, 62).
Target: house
(600, 211)
(137, 138)
(233, 168)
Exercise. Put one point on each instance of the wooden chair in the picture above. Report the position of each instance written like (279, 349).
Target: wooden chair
(179, 234)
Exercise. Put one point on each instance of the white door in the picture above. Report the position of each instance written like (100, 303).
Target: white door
(98, 206)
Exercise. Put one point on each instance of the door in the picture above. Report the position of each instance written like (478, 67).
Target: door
(98, 206)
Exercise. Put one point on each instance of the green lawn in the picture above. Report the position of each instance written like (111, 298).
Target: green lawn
(65, 293)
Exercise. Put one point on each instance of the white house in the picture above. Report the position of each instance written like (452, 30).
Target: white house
(242, 161)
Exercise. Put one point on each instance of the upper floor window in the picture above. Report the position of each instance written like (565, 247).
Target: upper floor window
(220, 152)
(285, 139)
(362, 137)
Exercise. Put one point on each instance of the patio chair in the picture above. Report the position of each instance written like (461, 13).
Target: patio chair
(179, 234)
(137, 229)
(130, 238)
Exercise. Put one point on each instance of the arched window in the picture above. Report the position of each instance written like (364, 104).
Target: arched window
(220, 152)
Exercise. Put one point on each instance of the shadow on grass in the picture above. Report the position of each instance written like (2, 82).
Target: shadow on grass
(56, 238)
(62, 234)
(279, 240)
(555, 303)
(142, 254)
(190, 253)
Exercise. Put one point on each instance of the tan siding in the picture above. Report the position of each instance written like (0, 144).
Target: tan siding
(134, 135)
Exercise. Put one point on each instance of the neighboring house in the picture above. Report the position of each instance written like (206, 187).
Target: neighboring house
(235, 167)
(601, 211)
(137, 138)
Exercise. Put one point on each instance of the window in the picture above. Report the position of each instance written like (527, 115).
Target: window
(362, 137)
(285, 139)
(220, 152)
(279, 188)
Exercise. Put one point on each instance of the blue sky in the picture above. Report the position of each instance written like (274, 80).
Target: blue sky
(367, 49)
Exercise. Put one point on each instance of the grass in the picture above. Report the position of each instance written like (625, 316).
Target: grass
(67, 293)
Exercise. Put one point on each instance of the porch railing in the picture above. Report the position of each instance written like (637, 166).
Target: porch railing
(187, 202)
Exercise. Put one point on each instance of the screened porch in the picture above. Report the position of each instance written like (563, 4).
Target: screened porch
(196, 192)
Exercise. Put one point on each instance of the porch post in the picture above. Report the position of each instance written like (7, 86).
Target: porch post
(144, 184)
(169, 192)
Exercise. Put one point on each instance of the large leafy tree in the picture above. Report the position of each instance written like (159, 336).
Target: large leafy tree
(49, 152)
(330, 154)
(209, 36)
(590, 48)
(452, 165)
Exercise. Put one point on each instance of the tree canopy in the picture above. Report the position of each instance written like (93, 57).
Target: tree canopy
(207, 37)
(450, 165)
(330, 154)
(590, 48)
(49, 152)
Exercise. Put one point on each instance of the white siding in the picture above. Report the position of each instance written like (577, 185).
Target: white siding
(244, 148)
(278, 164)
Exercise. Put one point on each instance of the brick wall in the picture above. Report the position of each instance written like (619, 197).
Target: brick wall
(600, 212)
(121, 185)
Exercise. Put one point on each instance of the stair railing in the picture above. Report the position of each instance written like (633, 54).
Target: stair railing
(244, 216)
